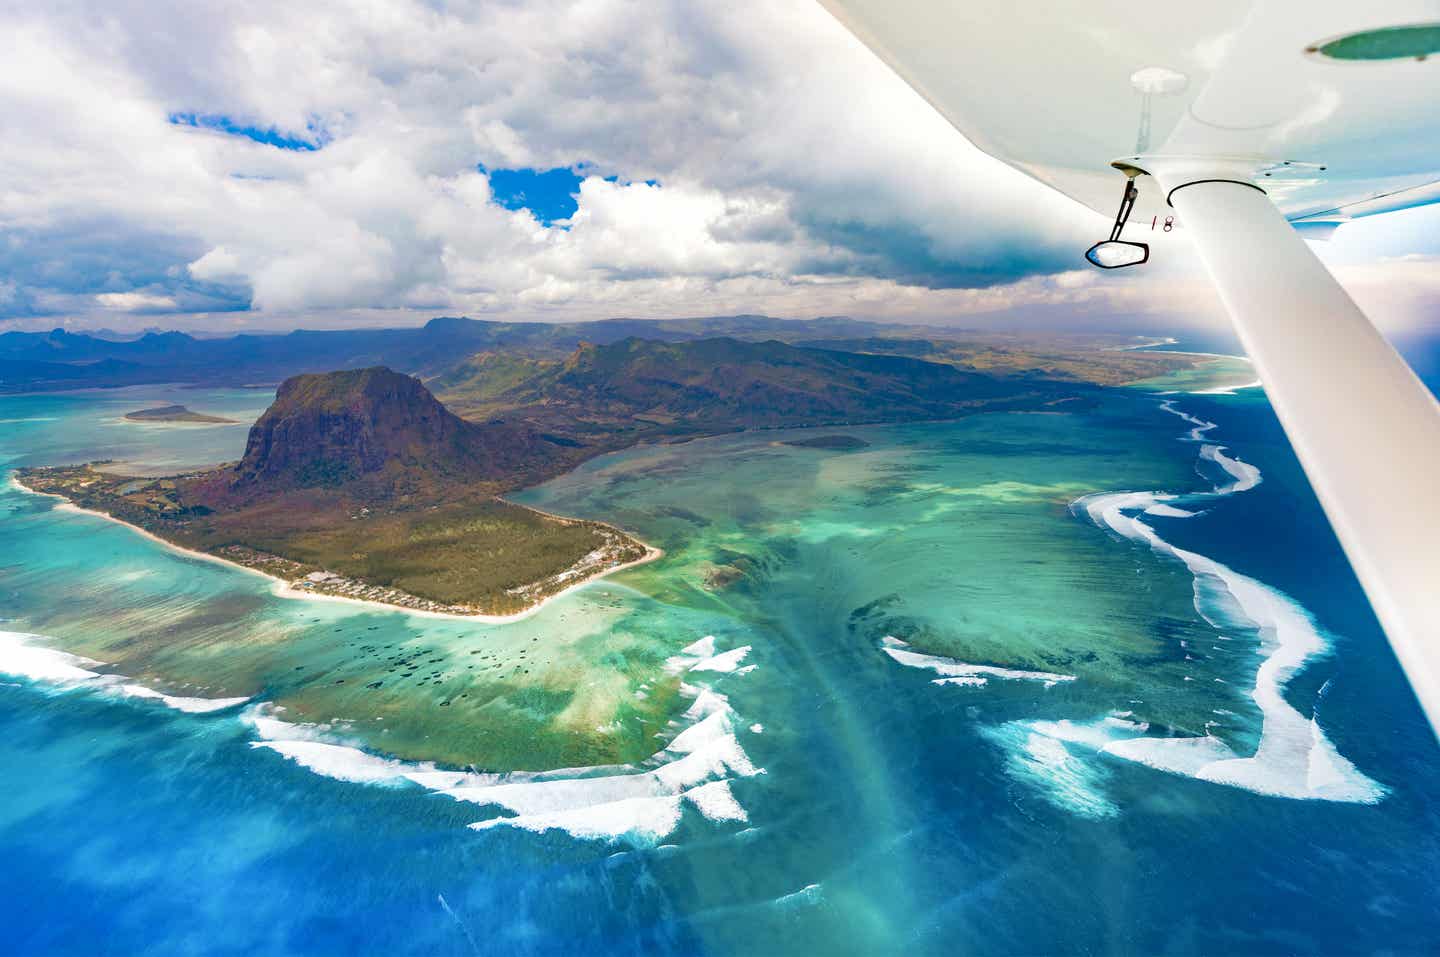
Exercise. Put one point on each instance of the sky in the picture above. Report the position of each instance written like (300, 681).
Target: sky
(269, 165)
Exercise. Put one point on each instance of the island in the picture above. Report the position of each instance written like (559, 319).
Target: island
(176, 413)
(363, 485)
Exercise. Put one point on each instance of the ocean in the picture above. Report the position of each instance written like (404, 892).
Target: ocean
(1014, 684)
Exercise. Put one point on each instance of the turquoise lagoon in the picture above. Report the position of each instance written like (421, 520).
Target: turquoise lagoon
(1014, 684)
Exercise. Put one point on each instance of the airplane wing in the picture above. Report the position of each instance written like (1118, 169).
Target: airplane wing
(1240, 120)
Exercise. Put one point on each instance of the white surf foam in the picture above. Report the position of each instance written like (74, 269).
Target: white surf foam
(649, 819)
(1294, 758)
(956, 672)
(317, 749)
(1045, 763)
(705, 751)
(703, 648)
(701, 656)
(642, 802)
(1245, 476)
(179, 703)
(20, 657)
(1229, 389)
(716, 801)
(645, 803)
(339, 762)
(691, 655)
(23, 656)
(724, 662)
(809, 894)
(1201, 426)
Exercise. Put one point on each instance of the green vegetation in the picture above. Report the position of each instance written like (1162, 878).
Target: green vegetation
(1057, 358)
(485, 555)
(612, 396)
(477, 556)
(487, 375)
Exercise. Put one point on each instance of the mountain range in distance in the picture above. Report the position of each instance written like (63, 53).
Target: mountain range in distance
(57, 360)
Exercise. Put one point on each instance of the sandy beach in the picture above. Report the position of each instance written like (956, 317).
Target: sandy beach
(285, 589)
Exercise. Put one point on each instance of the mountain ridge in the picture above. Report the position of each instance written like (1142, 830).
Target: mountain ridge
(636, 387)
(429, 350)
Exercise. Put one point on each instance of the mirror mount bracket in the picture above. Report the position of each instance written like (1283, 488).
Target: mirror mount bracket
(1122, 216)
(1127, 203)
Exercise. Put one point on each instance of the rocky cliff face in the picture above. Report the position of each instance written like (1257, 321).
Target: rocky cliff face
(373, 425)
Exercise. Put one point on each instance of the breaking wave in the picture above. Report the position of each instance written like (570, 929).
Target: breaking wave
(643, 802)
(955, 672)
(1293, 759)
(23, 656)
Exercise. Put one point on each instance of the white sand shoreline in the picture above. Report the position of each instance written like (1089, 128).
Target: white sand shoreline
(1206, 355)
(284, 589)
(1224, 389)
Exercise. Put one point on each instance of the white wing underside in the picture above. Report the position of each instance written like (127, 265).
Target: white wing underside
(1205, 98)
(1049, 87)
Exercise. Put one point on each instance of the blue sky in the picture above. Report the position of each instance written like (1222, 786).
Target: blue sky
(548, 195)
(272, 164)
(312, 139)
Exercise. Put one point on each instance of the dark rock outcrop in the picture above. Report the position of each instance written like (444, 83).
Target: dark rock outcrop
(376, 426)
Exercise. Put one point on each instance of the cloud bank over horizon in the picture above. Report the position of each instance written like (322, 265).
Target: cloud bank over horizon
(276, 165)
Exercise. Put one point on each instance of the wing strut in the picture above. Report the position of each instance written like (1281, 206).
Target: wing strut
(1365, 428)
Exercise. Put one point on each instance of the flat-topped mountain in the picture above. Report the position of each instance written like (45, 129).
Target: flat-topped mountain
(333, 428)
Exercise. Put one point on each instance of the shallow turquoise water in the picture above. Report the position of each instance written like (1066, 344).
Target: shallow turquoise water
(893, 814)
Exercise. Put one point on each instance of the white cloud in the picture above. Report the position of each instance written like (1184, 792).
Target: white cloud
(135, 302)
(797, 174)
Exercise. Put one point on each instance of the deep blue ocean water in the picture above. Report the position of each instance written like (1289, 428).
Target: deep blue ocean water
(888, 820)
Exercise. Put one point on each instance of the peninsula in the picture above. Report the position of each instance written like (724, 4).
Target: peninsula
(361, 485)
